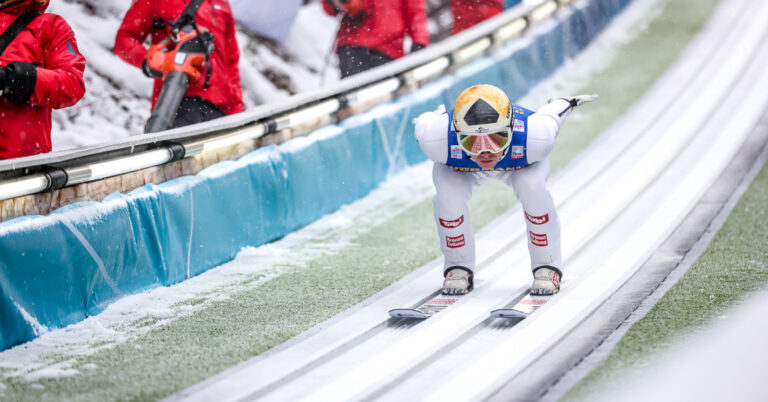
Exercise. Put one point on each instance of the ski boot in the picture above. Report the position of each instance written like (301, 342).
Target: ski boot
(546, 281)
(458, 281)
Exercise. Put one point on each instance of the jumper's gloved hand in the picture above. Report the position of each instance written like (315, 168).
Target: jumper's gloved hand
(560, 108)
(149, 72)
(440, 110)
(17, 81)
(579, 100)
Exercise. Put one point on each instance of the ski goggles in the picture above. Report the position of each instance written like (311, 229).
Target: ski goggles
(475, 144)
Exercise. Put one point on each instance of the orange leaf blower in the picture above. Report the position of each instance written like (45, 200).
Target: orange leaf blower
(182, 58)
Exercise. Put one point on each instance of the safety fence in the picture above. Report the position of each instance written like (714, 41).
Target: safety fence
(58, 269)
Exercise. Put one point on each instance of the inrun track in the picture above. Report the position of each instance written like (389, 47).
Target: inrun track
(618, 201)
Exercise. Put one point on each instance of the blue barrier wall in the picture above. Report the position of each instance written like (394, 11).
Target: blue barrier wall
(56, 270)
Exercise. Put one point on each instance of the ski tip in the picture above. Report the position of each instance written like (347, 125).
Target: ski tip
(508, 313)
(407, 313)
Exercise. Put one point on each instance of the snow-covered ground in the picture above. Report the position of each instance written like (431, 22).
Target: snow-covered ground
(117, 100)
(125, 319)
(709, 366)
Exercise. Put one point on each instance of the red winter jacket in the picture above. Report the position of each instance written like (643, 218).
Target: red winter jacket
(49, 43)
(216, 16)
(467, 13)
(385, 26)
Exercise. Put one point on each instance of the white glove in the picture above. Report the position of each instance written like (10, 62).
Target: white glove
(560, 108)
(577, 100)
(440, 110)
(582, 99)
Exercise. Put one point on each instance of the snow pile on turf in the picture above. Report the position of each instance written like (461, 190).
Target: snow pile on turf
(135, 315)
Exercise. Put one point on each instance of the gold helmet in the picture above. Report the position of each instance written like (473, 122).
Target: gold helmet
(481, 118)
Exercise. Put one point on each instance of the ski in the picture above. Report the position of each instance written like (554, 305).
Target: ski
(525, 307)
(427, 309)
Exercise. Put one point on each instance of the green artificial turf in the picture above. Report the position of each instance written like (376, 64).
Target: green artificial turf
(184, 352)
(635, 68)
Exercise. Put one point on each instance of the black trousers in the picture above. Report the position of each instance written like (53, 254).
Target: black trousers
(356, 59)
(193, 110)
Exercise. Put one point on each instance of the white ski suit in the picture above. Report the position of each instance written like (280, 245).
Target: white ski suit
(454, 188)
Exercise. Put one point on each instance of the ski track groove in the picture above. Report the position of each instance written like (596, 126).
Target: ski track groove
(682, 166)
(679, 89)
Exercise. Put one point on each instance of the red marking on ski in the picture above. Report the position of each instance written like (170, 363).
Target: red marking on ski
(535, 302)
(441, 301)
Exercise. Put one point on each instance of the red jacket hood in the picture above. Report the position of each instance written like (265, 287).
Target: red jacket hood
(21, 6)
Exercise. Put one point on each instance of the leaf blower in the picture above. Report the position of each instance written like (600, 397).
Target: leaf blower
(181, 58)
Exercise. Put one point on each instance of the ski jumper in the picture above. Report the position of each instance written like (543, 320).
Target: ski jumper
(524, 167)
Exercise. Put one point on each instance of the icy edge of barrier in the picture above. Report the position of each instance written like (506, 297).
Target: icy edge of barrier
(58, 269)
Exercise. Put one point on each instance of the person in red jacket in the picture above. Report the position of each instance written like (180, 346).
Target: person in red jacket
(41, 69)
(467, 13)
(224, 95)
(372, 31)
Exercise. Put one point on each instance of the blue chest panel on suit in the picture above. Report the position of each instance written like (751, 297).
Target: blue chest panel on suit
(516, 156)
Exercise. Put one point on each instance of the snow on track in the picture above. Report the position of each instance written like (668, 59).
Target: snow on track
(618, 202)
